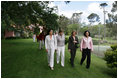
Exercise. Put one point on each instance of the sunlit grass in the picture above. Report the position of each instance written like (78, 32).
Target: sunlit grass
(21, 58)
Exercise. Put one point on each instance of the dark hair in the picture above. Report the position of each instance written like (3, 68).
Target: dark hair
(60, 31)
(72, 32)
(49, 31)
(85, 33)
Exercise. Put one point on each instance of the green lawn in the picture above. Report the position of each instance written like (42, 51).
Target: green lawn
(21, 58)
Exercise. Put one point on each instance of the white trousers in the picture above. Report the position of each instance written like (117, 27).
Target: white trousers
(41, 44)
(33, 39)
(61, 50)
(50, 56)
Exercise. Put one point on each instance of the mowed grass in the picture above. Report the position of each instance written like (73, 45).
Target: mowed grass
(21, 58)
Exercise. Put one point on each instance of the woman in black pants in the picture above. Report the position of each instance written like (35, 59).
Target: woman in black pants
(86, 47)
(72, 46)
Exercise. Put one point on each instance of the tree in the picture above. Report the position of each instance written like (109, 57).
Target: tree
(72, 27)
(24, 13)
(111, 22)
(93, 17)
(63, 22)
(114, 7)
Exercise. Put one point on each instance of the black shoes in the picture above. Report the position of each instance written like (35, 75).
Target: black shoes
(73, 66)
(87, 67)
(81, 64)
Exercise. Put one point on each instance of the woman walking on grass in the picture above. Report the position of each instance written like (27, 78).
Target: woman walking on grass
(61, 47)
(86, 47)
(50, 45)
(72, 46)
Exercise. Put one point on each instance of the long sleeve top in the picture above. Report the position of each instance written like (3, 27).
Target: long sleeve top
(86, 43)
(61, 40)
(71, 44)
(50, 43)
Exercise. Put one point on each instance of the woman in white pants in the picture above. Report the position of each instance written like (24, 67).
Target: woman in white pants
(61, 47)
(50, 45)
(34, 36)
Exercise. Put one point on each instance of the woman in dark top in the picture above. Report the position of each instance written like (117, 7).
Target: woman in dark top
(72, 46)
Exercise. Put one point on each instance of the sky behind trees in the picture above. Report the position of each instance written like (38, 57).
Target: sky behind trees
(87, 7)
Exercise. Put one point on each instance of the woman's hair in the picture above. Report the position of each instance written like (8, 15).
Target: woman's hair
(49, 31)
(73, 32)
(60, 30)
(85, 33)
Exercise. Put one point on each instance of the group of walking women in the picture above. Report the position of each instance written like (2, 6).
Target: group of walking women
(57, 43)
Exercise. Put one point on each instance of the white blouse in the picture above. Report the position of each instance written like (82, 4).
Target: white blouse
(50, 43)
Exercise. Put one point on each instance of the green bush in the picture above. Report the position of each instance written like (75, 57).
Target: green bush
(11, 38)
(114, 47)
(111, 56)
(111, 59)
(66, 40)
(8, 38)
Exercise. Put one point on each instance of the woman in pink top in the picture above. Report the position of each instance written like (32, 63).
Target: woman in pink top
(86, 47)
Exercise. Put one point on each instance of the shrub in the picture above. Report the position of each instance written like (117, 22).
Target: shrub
(114, 47)
(66, 40)
(111, 58)
(13, 38)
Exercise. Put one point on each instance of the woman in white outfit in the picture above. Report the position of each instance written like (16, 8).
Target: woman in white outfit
(61, 47)
(50, 44)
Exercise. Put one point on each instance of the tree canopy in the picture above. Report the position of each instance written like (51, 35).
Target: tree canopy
(21, 14)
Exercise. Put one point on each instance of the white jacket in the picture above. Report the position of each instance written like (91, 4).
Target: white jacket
(50, 43)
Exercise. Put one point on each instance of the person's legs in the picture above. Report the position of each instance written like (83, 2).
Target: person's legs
(83, 56)
(52, 58)
(62, 56)
(88, 58)
(48, 56)
(72, 58)
(58, 54)
(43, 43)
(74, 52)
(39, 44)
(34, 39)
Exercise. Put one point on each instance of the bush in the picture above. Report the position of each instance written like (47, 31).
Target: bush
(13, 38)
(111, 58)
(10, 38)
(114, 47)
(66, 40)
